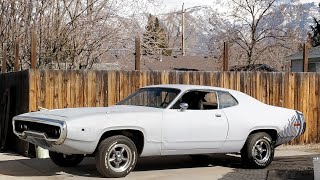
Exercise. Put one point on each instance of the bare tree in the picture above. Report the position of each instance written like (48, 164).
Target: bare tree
(70, 33)
(259, 31)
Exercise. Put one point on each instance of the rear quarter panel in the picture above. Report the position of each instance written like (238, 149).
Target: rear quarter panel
(250, 115)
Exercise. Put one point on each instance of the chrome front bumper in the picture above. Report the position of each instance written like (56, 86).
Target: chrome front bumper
(29, 134)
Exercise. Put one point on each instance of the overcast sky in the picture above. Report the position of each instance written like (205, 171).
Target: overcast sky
(177, 4)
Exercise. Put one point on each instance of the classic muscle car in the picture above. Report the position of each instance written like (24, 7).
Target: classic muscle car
(162, 120)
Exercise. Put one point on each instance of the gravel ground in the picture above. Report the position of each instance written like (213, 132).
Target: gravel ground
(314, 148)
(286, 166)
(290, 162)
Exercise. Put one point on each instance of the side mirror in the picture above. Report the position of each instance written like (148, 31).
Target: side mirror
(183, 106)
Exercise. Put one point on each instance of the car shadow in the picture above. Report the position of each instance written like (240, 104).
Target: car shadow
(182, 162)
(281, 167)
(45, 167)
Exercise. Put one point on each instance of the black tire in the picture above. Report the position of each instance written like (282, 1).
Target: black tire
(116, 151)
(258, 151)
(63, 160)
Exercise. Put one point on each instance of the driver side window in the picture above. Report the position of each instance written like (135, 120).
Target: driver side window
(198, 100)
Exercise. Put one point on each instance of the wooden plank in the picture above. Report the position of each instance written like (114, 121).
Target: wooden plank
(298, 100)
(68, 90)
(47, 90)
(290, 89)
(185, 78)
(242, 82)
(238, 86)
(89, 86)
(93, 102)
(165, 77)
(172, 77)
(201, 78)
(312, 108)
(99, 89)
(264, 79)
(105, 88)
(206, 79)
(73, 92)
(305, 106)
(111, 88)
(60, 89)
(275, 89)
(42, 89)
(317, 93)
(38, 89)
(77, 89)
(117, 87)
(232, 80)
(258, 86)
(32, 91)
(56, 89)
(122, 85)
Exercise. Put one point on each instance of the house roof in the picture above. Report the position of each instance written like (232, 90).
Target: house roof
(313, 52)
(177, 63)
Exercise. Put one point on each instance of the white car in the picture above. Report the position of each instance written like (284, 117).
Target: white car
(162, 120)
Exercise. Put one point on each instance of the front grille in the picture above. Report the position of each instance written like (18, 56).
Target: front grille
(51, 131)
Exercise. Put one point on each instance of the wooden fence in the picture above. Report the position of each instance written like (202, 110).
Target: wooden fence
(14, 99)
(64, 88)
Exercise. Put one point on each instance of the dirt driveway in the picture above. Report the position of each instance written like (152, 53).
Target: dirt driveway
(291, 162)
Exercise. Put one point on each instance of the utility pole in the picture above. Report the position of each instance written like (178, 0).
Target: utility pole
(225, 56)
(4, 58)
(182, 31)
(33, 48)
(305, 57)
(138, 53)
(16, 56)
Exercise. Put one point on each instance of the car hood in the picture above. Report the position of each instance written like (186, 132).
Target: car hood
(73, 113)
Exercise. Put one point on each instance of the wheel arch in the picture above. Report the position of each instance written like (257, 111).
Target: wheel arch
(135, 134)
(273, 132)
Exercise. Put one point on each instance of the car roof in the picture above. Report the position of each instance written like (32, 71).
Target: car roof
(241, 97)
(184, 87)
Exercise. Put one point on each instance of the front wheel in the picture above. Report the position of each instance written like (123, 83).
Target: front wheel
(63, 160)
(258, 151)
(116, 156)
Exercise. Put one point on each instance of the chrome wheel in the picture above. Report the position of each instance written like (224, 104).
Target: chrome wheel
(119, 157)
(261, 151)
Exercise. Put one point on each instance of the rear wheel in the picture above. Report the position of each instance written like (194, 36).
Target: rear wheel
(116, 156)
(258, 151)
(66, 160)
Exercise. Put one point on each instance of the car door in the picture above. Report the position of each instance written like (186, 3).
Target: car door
(193, 129)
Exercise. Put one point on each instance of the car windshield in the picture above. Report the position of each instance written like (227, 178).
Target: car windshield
(151, 97)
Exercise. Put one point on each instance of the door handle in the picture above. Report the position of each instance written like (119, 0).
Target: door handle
(218, 115)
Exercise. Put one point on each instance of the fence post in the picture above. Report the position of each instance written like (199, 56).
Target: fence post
(33, 49)
(225, 56)
(137, 53)
(4, 58)
(16, 58)
(305, 57)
